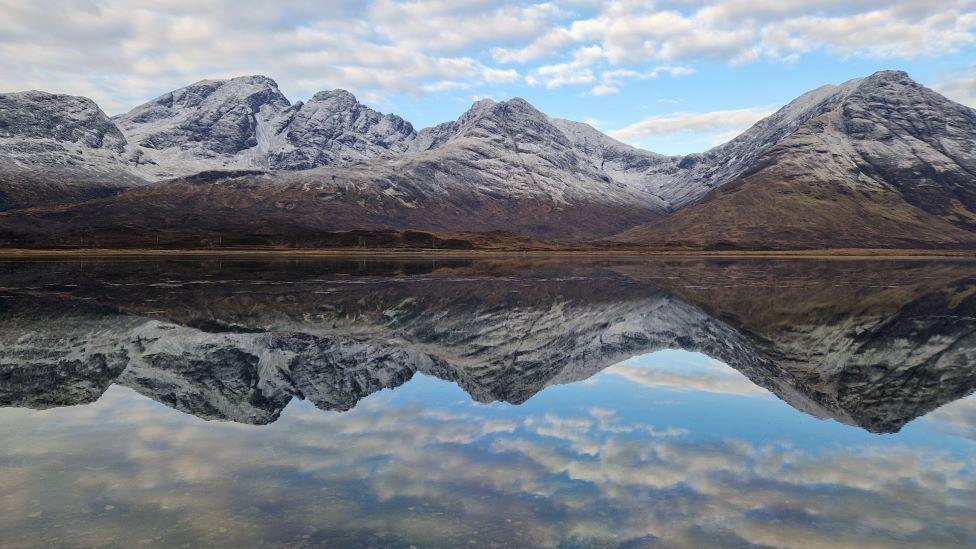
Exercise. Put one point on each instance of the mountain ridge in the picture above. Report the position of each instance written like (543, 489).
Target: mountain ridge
(884, 163)
(866, 162)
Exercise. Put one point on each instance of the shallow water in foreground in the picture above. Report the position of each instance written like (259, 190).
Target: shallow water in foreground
(491, 402)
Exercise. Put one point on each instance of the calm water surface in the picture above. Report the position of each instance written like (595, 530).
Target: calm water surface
(491, 402)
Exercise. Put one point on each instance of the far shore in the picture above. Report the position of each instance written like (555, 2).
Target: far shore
(488, 252)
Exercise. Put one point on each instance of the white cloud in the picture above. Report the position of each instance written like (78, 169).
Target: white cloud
(604, 89)
(960, 86)
(452, 25)
(611, 80)
(714, 377)
(419, 472)
(739, 31)
(716, 122)
(121, 52)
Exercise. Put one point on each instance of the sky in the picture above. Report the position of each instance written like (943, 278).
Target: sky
(673, 76)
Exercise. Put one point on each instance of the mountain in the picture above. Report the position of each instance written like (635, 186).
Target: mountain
(499, 167)
(334, 128)
(876, 162)
(58, 148)
(246, 123)
(207, 125)
(882, 162)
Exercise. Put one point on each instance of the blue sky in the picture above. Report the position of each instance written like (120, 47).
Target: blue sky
(673, 76)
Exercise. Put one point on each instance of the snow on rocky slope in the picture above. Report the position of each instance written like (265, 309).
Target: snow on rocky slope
(208, 125)
(876, 162)
(55, 147)
(247, 123)
(499, 167)
(335, 164)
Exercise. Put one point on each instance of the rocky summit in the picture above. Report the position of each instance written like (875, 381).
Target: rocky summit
(58, 148)
(876, 162)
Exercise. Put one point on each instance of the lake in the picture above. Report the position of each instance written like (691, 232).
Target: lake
(491, 402)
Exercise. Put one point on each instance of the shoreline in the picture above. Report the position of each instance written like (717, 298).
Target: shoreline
(840, 253)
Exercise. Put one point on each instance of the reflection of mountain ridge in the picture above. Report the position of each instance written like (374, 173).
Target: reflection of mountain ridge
(242, 346)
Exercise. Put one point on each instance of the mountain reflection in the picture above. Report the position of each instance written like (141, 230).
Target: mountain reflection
(873, 344)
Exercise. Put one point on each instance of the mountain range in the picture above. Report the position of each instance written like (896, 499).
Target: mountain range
(876, 162)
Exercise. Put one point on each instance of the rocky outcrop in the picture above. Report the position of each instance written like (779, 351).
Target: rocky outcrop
(333, 128)
(211, 124)
(56, 149)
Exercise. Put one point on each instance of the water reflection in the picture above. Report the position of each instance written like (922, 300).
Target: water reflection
(550, 402)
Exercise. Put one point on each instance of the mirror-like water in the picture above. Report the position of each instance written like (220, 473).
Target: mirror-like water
(493, 402)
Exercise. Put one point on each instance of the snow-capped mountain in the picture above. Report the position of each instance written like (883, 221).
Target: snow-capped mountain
(499, 167)
(55, 147)
(247, 123)
(876, 162)
(212, 124)
(334, 128)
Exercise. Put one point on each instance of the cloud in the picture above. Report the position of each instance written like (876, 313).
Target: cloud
(611, 80)
(713, 377)
(122, 52)
(960, 86)
(454, 26)
(957, 417)
(716, 123)
(736, 31)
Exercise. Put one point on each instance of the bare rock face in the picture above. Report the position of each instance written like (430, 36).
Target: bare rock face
(334, 128)
(58, 148)
(247, 123)
(209, 124)
(883, 162)
(61, 118)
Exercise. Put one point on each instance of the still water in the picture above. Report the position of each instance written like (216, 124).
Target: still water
(490, 402)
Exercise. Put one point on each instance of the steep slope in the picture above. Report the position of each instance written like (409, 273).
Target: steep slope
(501, 166)
(659, 174)
(887, 163)
(247, 123)
(207, 125)
(334, 128)
(58, 148)
(683, 180)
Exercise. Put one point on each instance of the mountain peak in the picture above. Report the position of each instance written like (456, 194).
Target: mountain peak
(519, 102)
(250, 79)
(893, 75)
(482, 104)
(337, 94)
(69, 118)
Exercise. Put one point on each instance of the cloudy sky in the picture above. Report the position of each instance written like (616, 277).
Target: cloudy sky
(669, 75)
